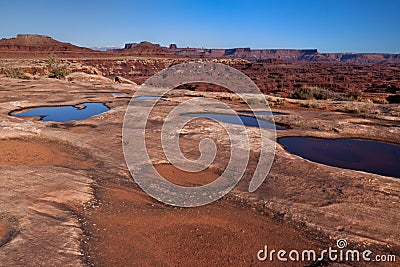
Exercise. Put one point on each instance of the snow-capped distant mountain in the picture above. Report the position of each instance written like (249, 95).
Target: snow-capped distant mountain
(106, 48)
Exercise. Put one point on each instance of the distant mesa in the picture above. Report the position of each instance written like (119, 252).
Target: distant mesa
(259, 55)
(27, 45)
(146, 49)
(34, 45)
(35, 42)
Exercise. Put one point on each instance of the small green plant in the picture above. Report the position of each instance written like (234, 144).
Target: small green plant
(57, 70)
(15, 73)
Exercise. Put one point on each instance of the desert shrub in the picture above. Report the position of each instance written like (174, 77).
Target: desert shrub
(268, 98)
(310, 105)
(351, 110)
(380, 101)
(354, 95)
(280, 102)
(394, 99)
(15, 73)
(253, 101)
(57, 70)
(357, 110)
(309, 93)
(376, 112)
(227, 98)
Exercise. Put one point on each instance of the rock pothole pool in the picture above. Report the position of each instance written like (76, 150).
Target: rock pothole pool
(238, 119)
(63, 113)
(355, 154)
(147, 97)
(262, 113)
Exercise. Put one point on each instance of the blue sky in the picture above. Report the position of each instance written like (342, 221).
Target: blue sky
(328, 25)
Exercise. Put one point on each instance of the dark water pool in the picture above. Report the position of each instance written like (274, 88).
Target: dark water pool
(65, 113)
(147, 97)
(261, 113)
(240, 119)
(362, 155)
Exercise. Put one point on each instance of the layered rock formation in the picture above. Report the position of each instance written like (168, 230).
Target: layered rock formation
(362, 57)
(273, 70)
(246, 53)
(271, 76)
(28, 45)
(33, 45)
(285, 55)
(146, 49)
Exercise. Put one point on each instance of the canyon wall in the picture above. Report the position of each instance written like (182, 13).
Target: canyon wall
(253, 55)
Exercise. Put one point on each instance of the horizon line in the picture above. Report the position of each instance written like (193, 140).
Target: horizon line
(200, 47)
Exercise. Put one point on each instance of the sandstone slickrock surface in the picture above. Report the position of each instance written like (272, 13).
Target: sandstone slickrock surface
(84, 77)
(46, 179)
(67, 197)
(47, 206)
